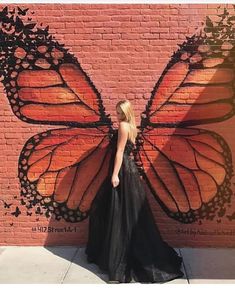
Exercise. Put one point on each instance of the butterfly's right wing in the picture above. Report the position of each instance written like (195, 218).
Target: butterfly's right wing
(197, 85)
(189, 170)
(62, 170)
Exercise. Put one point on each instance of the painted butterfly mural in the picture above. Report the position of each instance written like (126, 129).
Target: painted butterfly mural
(61, 170)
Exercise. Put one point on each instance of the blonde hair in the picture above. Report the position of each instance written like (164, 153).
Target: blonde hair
(127, 114)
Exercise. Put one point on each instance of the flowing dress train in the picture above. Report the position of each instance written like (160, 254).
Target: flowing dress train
(124, 240)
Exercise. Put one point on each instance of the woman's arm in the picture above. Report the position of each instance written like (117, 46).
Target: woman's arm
(121, 143)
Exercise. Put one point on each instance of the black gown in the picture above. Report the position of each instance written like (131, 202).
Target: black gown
(123, 238)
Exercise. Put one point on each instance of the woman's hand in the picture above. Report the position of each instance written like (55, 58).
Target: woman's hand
(115, 180)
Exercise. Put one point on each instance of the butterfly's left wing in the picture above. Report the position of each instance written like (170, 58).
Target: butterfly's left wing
(62, 170)
(189, 169)
(44, 82)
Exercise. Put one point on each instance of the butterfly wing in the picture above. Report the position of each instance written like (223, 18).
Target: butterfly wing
(60, 170)
(189, 170)
(197, 85)
(43, 80)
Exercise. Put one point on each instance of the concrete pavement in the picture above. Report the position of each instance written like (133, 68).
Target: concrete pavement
(68, 265)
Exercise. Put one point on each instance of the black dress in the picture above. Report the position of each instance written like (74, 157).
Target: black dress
(123, 239)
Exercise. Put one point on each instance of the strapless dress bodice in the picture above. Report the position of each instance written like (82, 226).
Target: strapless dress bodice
(129, 144)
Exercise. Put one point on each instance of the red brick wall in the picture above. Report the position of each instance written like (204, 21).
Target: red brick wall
(124, 50)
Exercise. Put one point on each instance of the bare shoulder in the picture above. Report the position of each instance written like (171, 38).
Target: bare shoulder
(122, 136)
(123, 127)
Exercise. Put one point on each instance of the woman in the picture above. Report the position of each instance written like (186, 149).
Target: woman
(124, 240)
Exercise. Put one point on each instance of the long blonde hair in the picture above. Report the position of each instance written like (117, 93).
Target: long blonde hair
(127, 114)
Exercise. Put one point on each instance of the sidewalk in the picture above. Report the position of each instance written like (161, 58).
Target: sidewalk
(67, 265)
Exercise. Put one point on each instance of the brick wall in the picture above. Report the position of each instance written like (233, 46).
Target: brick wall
(124, 49)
